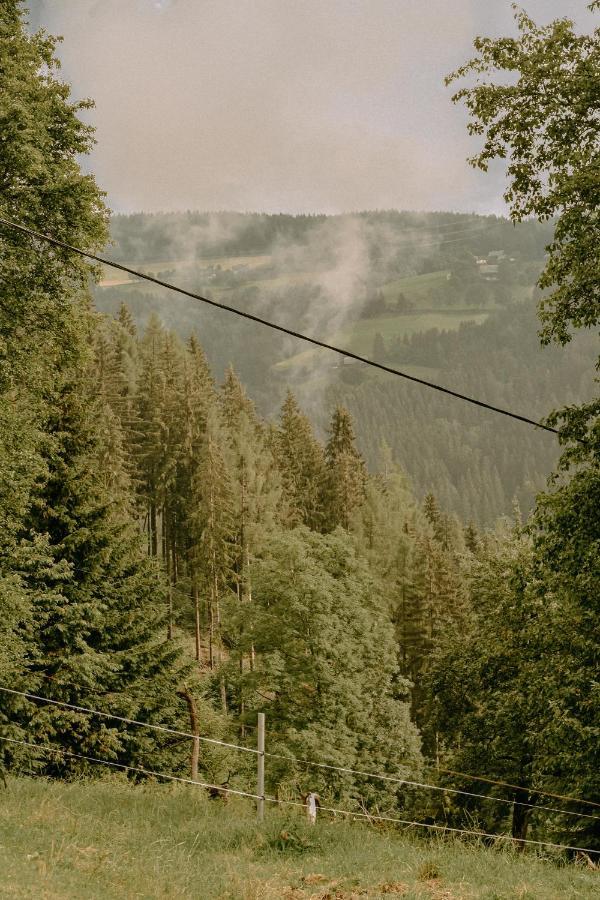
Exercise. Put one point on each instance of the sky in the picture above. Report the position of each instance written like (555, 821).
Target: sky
(279, 105)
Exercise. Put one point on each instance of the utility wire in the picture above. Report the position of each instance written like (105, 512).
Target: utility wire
(127, 721)
(484, 778)
(334, 810)
(448, 237)
(484, 834)
(431, 787)
(516, 787)
(488, 780)
(281, 328)
(140, 769)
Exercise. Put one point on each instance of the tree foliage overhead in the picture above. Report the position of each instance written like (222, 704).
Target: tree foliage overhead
(523, 689)
(535, 102)
(82, 619)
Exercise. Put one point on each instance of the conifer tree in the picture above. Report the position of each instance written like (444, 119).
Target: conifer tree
(40, 311)
(301, 461)
(345, 475)
(149, 449)
(212, 550)
(97, 624)
(82, 608)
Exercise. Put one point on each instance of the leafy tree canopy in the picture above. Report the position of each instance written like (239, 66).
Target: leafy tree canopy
(535, 103)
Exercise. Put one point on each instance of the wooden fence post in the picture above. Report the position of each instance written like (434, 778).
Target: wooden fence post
(260, 773)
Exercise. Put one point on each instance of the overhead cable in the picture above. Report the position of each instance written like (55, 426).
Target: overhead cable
(336, 811)
(431, 787)
(515, 787)
(319, 765)
(140, 769)
(97, 712)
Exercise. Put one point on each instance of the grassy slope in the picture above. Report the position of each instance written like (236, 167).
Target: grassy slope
(415, 287)
(108, 840)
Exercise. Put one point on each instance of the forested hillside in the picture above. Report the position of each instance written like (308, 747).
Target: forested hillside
(414, 291)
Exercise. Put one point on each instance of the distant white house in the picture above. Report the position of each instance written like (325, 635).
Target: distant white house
(489, 271)
(488, 268)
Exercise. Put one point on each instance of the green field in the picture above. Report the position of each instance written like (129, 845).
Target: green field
(359, 336)
(104, 840)
(178, 265)
(415, 287)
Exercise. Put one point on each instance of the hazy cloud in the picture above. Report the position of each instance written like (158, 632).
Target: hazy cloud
(274, 105)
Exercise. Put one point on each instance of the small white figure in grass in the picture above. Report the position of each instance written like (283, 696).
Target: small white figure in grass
(312, 802)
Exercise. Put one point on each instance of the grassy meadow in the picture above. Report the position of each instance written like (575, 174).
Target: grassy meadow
(359, 336)
(109, 839)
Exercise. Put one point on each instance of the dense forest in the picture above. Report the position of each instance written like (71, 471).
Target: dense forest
(171, 555)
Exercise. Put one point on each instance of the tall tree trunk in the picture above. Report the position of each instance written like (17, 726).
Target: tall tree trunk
(153, 533)
(194, 728)
(174, 576)
(520, 817)
(167, 559)
(223, 694)
(211, 631)
(196, 601)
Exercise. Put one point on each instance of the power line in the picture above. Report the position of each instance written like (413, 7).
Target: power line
(488, 780)
(477, 222)
(127, 721)
(248, 725)
(140, 769)
(281, 328)
(436, 768)
(484, 834)
(444, 239)
(516, 787)
(334, 810)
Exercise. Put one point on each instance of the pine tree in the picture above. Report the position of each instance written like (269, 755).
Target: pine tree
(213, 549)
(301, 461)
(471, 538)
(345, 476)
(97, 623)
(41, 314)
(149, 450)
(80, 597)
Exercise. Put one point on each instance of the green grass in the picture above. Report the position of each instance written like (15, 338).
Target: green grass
(153, 267)
(415, 287)
(111, 840)
(359, 336)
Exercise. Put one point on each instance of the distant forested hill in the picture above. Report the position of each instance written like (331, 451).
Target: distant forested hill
(476, 462)
(446, 296)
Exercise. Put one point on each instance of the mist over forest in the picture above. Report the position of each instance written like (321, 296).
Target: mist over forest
(446, 297)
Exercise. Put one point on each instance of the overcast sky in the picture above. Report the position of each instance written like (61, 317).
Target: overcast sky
(281, 105)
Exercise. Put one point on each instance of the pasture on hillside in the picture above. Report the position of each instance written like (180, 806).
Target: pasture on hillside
(109, 839)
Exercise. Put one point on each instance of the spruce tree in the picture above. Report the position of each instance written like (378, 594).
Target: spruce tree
(345, 475)
(81, 623)
(213, 532)
(97, 620)
(301, 461)
(40, 314)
